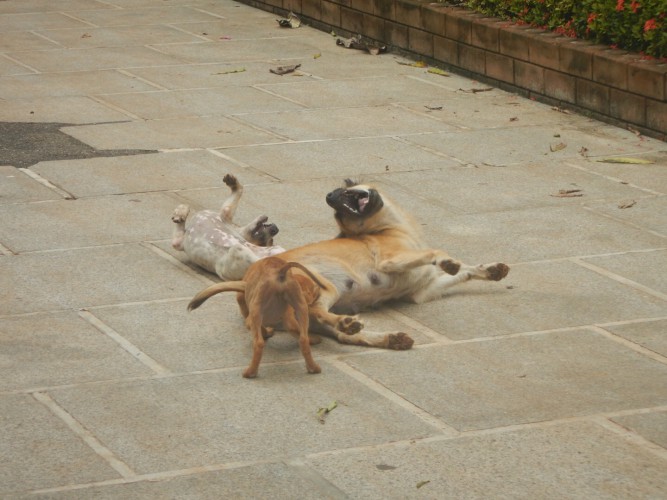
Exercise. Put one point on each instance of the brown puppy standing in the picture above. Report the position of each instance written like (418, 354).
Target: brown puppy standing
(272, 294)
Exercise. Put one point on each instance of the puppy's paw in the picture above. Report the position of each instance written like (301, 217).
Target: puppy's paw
(350, 325)
(399, 341)
(314, 368)
(180, 214)
(249, 373)
(450, 266)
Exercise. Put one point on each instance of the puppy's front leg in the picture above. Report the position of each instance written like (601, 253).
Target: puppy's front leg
(409, 259)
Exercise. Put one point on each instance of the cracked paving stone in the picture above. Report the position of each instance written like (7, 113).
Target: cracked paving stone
(25, 144)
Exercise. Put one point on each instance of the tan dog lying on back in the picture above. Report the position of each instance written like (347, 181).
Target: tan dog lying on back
(272, 294)
(378, 256)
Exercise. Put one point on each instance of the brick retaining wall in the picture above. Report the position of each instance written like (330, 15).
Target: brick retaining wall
(611, 85)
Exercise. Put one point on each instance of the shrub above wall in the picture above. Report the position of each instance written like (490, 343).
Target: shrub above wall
(637, 25)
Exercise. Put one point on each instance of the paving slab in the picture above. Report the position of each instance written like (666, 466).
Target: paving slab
(648, 334)
(576, 460)
(39, 451)
(118, 36)
(534, 297)
(37, 20)
(70, 109)
(534, 378)
(41, 6)
(91, 277)
(167, 422)
(652, 426)
(55, 349)
(111, 226)
(172, 171)
(18, 187)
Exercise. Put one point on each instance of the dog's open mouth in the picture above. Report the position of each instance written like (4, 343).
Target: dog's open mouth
(356, 202)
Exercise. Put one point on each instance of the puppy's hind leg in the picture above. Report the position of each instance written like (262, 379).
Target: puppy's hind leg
(232, 202)
(178, 217)
(296, 299)
(255, 324)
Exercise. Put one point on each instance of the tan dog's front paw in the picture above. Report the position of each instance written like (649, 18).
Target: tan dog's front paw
(249, 373)
(350, 325)
(497, 271)
(399, 341)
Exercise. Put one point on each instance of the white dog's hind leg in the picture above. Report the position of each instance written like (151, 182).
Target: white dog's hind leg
(489, 272)
(178, 217)
(235, 263)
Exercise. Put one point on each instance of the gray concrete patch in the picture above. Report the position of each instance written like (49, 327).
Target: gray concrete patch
(24, 144)
(578, 460)
(482, 385)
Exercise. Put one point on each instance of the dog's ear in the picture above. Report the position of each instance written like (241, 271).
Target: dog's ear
(350, 183)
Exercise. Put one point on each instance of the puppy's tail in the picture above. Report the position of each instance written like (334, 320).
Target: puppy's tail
(282, 274)
(207, 293)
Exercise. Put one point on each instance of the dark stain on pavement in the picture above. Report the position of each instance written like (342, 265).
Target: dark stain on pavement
(25, 144)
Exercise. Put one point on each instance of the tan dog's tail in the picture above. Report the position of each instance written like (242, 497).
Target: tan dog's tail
(206, 293)
(283, 273)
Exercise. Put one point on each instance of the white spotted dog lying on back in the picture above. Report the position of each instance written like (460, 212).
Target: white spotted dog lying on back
(211, 240)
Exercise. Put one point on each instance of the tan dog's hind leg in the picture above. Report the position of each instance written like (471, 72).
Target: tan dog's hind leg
(178, 217)
(409, 259)
(295, 298)
(489, 272)
(231, 204)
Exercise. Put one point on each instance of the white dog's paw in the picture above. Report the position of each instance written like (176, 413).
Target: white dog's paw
(180, 214)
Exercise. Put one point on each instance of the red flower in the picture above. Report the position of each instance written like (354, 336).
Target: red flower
(634, 6)
(591, 17)
(620, 5)
(650, 25)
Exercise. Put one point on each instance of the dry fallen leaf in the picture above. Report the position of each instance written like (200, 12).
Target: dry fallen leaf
(317, 56)
(514, 119)
(230, 71)
(437, 71)
(433, 108)
(415, 64)
(628, 204)
(475, 91)
(324, 411)
(568, 193)
(283, 70)
(557, 147)
(422, 483)
(637, 161)
(385, 467)
(292, 21)
(583, 151)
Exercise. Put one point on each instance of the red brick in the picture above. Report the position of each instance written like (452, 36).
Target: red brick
(365, 6)
(472, 58)
(627, 107)
(591, 95)
(446, 50)
(293, 5)
(648, 78)
(500, 67)
(529, 76)
(543, 48)
(512, 42)
(458, 26)
(409, 13)
(560, 86)
(610, 68)
(330, 13)
(420, 41)
(396, 34)
(311, 8)
(352, 20)
(485, 34)
(656, 115)
(385, 9)
(374, 27)
(433, 19)
(576, 58)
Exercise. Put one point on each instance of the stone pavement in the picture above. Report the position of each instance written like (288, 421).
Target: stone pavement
(549, 384)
